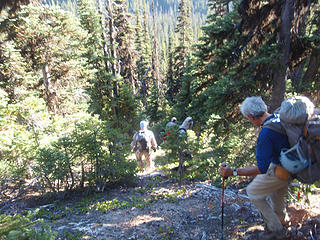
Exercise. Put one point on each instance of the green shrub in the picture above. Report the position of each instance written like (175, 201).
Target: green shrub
(19, 227)
(93, 155)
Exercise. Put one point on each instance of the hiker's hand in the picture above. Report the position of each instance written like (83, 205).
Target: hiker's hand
(225, 171)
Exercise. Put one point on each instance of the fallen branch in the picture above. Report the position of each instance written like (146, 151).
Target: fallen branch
(11, 199)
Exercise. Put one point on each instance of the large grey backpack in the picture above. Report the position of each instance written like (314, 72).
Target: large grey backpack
(301, 123)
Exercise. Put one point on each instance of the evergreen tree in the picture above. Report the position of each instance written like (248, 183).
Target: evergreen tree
(14, 74)
(183, 29)
(138, 45)
(184, 97)
(144, 55)
(240, 55)
(49, 41)
(125, 46)
(146, 80)
(155, 56)
(170, 69)
(121, 53)
(153, 105)
(100, 79)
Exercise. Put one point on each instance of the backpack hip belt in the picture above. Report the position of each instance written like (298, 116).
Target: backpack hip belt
(282, 173)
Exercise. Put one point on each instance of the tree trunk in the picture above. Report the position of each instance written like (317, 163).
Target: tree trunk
(104, 35)
(155, 61)
(49, 90)
(280, 75)
(113, 54)
(112, 40)
(312, 70)
(296, 75)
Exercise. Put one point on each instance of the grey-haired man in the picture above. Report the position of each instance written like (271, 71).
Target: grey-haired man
(267, 182)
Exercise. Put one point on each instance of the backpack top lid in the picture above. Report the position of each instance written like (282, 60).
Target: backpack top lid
(296, 110)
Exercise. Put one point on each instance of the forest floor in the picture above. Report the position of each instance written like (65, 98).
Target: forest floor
(162, 209)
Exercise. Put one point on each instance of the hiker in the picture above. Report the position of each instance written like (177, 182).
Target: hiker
(187, 124)
(172, 122)
(267, 182)
(165, 132)
(142, 142)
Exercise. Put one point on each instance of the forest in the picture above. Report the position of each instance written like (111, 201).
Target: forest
(77, 77)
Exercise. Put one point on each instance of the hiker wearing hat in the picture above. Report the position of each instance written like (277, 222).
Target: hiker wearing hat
(270, 180)
(172, 122)
(169, 128)
(142, 142)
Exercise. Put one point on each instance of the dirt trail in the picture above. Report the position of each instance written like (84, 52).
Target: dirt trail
(158, 208)
(191, 211)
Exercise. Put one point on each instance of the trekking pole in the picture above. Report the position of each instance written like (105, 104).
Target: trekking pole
(222, 201)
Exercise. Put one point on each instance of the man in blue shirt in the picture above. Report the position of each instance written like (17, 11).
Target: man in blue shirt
(267, 183)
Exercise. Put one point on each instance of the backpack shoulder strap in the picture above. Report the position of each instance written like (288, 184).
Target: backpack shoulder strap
(183, 129)
(274, 126)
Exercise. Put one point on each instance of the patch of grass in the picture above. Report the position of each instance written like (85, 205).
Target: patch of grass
(140, 202)
(167, 232)
(78, 235)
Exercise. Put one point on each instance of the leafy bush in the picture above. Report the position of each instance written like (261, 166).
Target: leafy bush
(93, 154)
(55, 167)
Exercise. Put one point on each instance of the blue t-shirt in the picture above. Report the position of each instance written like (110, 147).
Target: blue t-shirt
(269, 145)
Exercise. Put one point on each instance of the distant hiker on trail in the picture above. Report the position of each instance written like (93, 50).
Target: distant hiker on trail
(169, 128)
(172, 122)
(271, 179)
(142, 142)
(187, 124)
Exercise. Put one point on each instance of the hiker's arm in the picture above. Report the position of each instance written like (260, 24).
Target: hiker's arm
(153, 142)
(247, 171)
(133, 143)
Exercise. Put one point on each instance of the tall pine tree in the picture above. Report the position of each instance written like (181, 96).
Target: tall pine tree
(183, 29)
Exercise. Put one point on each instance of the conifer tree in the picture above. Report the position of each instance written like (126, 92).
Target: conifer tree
(144, 55)
(241, 54)
(42, 34)
(95, 55)
(146, 68)
(125, 43)
(138, 46)
(170, 69)
(153, 104)
(184, 97)
(155, 56)
(121, 53)
(112, 54)
(183, 29)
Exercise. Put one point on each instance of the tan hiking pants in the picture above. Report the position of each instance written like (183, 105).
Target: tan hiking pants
(147, 156)
(273, 211)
